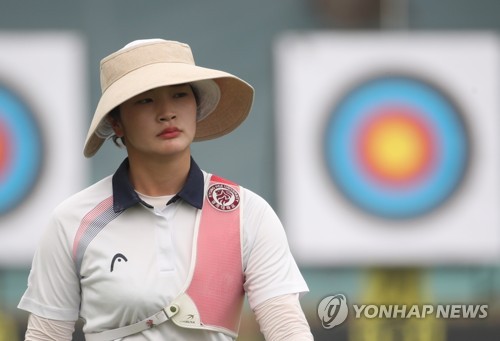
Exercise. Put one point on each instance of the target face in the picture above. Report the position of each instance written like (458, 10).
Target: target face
(396, 147)
(20, 150)
(387, 153)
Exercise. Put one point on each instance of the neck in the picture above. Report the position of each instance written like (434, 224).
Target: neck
(159, 176)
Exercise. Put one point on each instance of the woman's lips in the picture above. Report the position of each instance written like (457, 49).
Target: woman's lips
(169, 133)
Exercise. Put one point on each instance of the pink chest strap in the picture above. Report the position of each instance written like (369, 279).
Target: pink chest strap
(217, 283)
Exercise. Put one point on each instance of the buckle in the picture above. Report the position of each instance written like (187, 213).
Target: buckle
(171, 310)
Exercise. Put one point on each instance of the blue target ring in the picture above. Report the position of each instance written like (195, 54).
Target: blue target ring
(392, 128)
(20, 150)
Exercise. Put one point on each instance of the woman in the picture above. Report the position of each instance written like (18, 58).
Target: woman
(161, 249)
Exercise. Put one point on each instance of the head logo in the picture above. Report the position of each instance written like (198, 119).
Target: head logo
(332, 311)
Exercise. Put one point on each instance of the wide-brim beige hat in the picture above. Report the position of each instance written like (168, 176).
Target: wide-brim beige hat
(224, 100)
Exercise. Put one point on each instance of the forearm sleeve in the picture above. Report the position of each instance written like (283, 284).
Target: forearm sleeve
(43, 329)
(282, 318)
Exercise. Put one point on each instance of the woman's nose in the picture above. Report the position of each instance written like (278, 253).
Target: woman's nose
(166, 117)
(165, 111)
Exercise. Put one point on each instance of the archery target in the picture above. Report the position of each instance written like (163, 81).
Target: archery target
(387, 147)
(42, 129)
(21, 147)
(396, 147)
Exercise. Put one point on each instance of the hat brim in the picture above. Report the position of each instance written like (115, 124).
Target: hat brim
(236, 97)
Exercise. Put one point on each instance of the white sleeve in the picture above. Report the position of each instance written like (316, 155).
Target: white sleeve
(282, 318)
(270, 269)
(42, 329)
(53, 286)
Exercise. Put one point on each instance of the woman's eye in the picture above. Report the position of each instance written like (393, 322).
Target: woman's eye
(180, 94)
(144, 101)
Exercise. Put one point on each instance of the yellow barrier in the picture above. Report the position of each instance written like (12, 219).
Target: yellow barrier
(395, 299)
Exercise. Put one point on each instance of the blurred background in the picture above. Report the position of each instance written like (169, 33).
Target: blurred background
(361, 222)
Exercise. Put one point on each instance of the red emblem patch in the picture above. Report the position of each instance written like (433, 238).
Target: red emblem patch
(223, 197)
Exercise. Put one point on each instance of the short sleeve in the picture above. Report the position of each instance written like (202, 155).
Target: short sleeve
(269, 266)
(53, 287)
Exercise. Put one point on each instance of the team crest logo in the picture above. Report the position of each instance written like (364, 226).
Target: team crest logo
(223, 197)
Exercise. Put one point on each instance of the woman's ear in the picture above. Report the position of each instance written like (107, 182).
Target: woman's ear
(116, 125)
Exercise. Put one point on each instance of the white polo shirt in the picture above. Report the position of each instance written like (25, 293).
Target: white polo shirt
(111, 259)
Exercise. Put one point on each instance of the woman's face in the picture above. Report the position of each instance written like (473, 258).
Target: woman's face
(161, 121)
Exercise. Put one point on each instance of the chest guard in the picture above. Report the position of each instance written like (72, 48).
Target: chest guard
(216, 286)
(213, 297)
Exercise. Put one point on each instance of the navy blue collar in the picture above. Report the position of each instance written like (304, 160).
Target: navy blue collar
(124, 195)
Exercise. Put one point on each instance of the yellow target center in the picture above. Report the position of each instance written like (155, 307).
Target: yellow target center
(396, 148)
